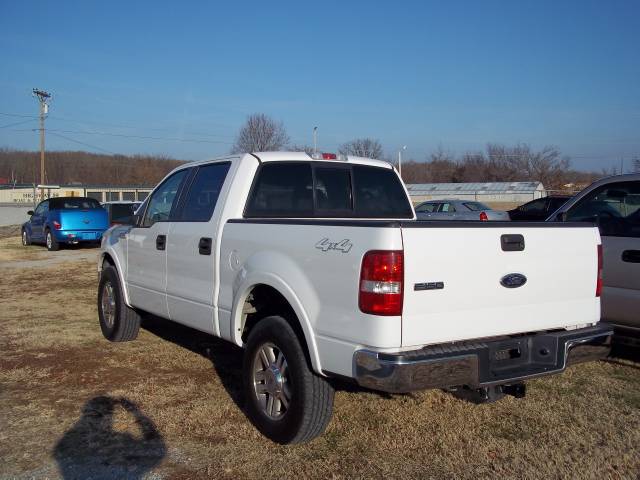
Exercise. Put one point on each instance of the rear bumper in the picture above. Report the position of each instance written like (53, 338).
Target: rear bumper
(481, 363)
(74, 236)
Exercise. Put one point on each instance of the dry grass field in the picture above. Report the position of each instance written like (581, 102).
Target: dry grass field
(168, 405)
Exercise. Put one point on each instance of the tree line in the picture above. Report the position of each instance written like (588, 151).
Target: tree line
(498, 163)
(69, 167)
(260, 133)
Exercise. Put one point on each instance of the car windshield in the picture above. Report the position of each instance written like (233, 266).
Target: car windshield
(476, 206)
(80, 203)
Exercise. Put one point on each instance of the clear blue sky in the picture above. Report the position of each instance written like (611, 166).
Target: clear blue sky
(424, 74)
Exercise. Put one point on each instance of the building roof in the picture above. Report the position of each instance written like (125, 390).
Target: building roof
(479, 187)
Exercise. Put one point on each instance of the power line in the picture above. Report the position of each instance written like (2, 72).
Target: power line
(82, 143)
(142, 137)
(17, 123)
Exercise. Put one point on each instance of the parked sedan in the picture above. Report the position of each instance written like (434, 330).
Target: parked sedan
(458, 210)
(539, 209)
(65, 220)
(121, 212)
(614, 204)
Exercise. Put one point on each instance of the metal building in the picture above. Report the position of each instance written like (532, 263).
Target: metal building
(504, 192)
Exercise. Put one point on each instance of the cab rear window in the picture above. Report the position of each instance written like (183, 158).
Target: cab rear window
(321, 190)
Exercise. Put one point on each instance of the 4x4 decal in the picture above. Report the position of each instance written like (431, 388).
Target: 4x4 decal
(343, 245)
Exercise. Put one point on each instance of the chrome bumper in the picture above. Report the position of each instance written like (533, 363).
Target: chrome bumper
(481, 363)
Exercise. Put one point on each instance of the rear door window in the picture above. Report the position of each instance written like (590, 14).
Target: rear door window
(200, 201)
(427, 208)
(447, 207)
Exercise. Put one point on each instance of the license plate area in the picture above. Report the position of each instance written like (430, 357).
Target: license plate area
(527, 355)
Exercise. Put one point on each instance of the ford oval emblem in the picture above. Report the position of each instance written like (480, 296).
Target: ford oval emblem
(513, 280)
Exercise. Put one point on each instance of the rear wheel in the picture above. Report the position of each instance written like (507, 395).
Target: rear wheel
(51, 242)
(286, 400)
(26, 239)
(118, 321)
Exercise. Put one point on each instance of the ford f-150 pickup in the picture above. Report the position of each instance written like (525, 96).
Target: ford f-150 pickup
(317, 267)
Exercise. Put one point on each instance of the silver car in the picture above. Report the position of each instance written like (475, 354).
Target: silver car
(458, 210)
(613, 203)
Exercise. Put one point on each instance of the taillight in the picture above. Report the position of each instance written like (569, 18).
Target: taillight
(484, 217)
(599, 281)
(381, 278)
(57, 225)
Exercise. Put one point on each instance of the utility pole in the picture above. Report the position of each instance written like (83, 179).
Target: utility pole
(315, 140)
(400, 160)
(43, 98)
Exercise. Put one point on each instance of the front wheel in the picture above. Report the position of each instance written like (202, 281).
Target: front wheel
(50, 240)
(26, 240)
(286, 400)
(118, 321)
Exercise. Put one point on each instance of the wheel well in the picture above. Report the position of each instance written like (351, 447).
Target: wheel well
(107, 260)
(264, 301)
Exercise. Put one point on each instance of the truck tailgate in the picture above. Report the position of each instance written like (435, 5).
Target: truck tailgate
(453, 274)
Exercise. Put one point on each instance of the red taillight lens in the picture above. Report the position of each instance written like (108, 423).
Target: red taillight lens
(599, 281)
(381, 278)
(329, 156)
(483, 217)
(57, 225)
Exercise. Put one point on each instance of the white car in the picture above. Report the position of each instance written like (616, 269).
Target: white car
(318, 269)
(459, 210)
(614, 204)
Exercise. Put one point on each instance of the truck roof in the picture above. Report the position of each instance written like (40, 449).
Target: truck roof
(296, 156)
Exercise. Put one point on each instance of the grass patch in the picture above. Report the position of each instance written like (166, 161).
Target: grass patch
(169, 403)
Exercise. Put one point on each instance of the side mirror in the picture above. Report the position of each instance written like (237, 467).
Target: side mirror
(562, 217)
(30, 213)
(136, 220)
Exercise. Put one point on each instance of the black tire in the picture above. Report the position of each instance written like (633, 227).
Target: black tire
(26, 239)
(50, 241)
(310, 403)
(118, 322)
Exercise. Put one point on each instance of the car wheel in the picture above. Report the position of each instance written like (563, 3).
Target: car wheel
(118, 321)
(286, 400)
(51, 242)
(26, 240)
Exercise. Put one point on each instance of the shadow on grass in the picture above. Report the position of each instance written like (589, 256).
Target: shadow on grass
(96, 448)
(225, 357)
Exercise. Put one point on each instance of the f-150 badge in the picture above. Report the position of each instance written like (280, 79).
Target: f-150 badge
(343, 245)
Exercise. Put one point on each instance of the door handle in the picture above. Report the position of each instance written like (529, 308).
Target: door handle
(204, 246)
(631, 256)
(161, 242)
(512, 243)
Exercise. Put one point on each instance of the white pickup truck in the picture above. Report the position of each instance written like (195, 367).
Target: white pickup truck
(319, 270)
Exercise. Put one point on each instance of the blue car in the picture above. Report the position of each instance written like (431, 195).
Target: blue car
(65, 220)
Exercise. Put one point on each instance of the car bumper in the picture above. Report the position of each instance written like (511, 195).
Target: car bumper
(75, 236)
(481, 363)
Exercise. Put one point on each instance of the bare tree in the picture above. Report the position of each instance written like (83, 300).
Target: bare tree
(260, 133)
(635, 164)
(362, 147)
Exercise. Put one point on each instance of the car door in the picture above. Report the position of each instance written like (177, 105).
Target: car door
(191, 249)
(615, 207)
(38, 220)
(146, 248)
